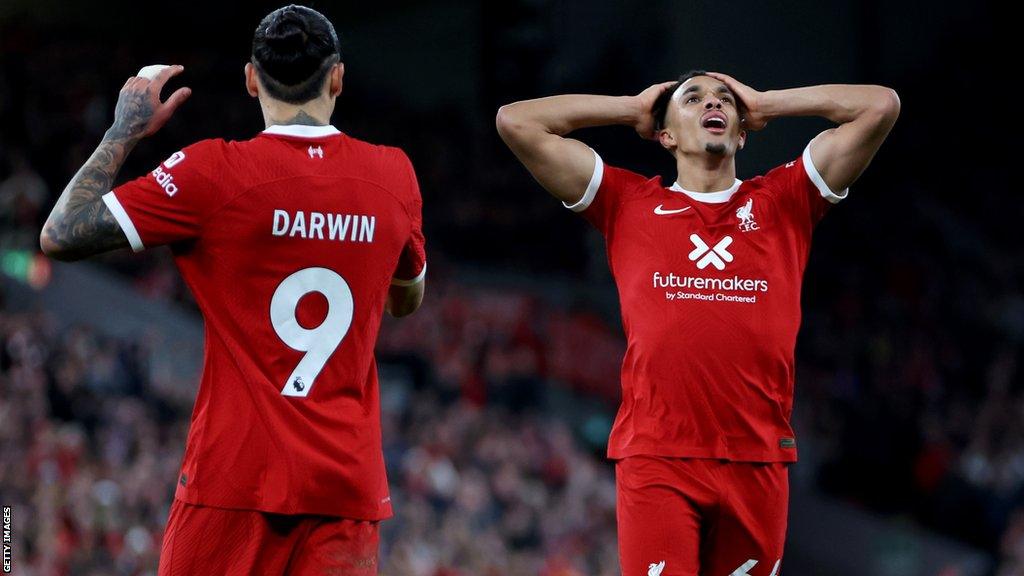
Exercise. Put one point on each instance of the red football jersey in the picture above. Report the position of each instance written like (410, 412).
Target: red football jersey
(289, 242)
(709, 286)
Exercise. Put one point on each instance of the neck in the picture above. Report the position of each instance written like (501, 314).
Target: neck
(313, 113)
(705, 172)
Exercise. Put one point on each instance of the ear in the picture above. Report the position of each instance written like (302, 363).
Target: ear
(743, 139)
(337, 75)
(252, 86)
(666, 139)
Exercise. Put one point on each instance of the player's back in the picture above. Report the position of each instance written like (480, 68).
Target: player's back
(293, 250)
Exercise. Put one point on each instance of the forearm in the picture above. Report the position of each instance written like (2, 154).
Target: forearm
(80, 224)
(563, 114)
(404, 300)
(840, 103)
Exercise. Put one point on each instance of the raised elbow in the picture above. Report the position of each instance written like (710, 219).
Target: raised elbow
(51, 245)
(503, 120)
(888, 104)
(508, 121)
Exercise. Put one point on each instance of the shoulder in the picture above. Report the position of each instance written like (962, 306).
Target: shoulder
(210, 148)
(388, 165)
(610, 187)
(626, 182)
(386, 155)
(197, 155)
(800, 177)
(778, 174)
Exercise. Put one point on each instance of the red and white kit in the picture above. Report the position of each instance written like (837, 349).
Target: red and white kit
(709, 285)
(289, 242)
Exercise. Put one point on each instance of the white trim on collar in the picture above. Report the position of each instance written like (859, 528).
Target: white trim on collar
(719, 197)
(302, 131)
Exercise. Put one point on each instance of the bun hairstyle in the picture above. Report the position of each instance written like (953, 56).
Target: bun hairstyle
(293, 49)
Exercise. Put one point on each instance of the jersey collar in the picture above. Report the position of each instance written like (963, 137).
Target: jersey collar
(302, 130)
(719, 197)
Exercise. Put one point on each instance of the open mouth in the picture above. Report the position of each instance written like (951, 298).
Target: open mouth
(714, 123)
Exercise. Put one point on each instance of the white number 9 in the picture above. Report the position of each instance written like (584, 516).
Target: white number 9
(320, 342)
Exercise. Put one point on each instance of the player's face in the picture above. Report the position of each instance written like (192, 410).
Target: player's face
(703, 117)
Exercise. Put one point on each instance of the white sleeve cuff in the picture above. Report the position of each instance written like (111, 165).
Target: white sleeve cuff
(419, 278)
(124, 221)
(595, 183)
(819, 182)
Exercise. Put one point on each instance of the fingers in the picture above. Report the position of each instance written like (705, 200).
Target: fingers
(723, 77)
(166, 74)
(663, 87)
(177, 99)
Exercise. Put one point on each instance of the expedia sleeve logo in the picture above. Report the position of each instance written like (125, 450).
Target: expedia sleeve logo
(174, 159)
(164, 178)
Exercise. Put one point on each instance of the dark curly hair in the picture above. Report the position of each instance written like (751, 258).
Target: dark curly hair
(660, 108)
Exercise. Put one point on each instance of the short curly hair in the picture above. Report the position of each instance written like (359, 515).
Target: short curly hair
(660, 108)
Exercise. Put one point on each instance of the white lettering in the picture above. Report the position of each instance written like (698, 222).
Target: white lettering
(366, 230)
(299, 225)
(316, 225)
(337, 225)
(735, 284)
(340, 227)
(165, 180)
(280, 223)
(174, 159)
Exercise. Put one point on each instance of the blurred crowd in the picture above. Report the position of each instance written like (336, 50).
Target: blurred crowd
(910, 389)
(91, 442)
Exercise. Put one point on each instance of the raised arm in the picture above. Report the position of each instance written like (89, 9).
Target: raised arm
(534, 130)
(865, 114)
(80, 224)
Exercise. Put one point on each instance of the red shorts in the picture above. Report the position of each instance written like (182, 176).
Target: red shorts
(690, 516)
(200, 540)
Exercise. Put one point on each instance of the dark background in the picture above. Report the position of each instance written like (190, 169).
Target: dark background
(909, 385)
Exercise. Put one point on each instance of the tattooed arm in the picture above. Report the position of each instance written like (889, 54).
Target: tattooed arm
(80, 224)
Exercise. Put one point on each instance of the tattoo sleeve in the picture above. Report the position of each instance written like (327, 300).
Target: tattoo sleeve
(80, 224)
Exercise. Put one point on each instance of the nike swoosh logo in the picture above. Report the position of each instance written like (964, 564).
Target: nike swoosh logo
(661, 211)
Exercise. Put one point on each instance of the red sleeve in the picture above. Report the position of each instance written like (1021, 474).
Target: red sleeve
(609, 187)
(170, 203)
(801, 191)
(412, 263)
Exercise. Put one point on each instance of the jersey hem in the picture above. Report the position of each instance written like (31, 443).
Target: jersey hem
(819, 182)
(419, 278)
(124, 221)
(790, 455)
(595, 183)
(341, 512)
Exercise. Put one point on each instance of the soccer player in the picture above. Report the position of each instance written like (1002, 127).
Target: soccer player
(294, 243)
(708, 272)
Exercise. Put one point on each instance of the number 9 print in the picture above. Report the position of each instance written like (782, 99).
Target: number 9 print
(320, 342)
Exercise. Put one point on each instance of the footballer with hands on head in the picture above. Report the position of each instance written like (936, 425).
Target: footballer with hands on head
(294, 243)
(708, 272)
